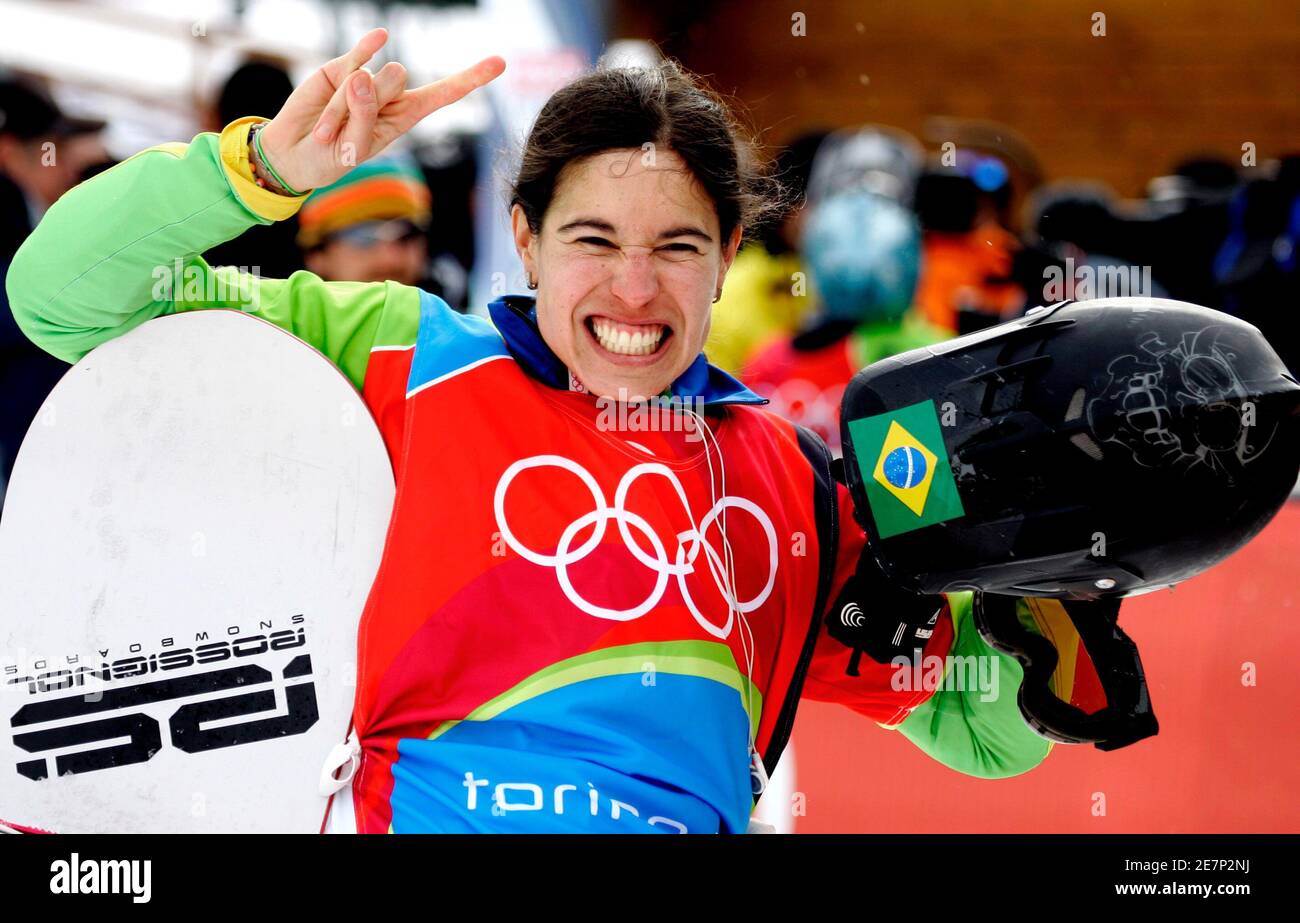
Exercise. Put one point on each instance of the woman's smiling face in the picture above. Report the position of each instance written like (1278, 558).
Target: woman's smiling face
(628, 260)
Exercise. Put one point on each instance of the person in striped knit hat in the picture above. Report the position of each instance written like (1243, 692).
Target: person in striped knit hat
(371, 225)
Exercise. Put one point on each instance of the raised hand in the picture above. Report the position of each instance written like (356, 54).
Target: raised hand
(342, 115)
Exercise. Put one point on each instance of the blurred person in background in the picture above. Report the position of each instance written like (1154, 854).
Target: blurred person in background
(1256, 266)
(450, 167)
(1180, 226)
(763, 302)
(268, 250)
(1173, 235)
(861, 245)
(42, 155)
(371, 226)
(968, 254)
(1072, 228)
(863, 252)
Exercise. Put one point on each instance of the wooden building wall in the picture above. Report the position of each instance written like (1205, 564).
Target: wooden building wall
(1168, 79)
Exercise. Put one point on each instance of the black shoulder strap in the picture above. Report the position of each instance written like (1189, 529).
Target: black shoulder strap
(826, 505)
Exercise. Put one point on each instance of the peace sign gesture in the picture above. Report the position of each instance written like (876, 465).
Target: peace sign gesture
(342, 116)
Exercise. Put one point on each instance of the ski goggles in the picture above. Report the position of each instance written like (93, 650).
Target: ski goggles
(1083, 679)
(368, 234)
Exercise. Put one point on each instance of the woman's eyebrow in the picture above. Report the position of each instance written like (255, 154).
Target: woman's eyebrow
(686, 231)
(594, 223)
(599, 224)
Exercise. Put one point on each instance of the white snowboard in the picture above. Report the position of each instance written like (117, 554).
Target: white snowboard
(189, 536)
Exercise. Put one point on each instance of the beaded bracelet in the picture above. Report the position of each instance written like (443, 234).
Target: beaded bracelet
(276, 183)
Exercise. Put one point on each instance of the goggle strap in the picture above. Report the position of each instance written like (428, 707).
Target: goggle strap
(1127, 717)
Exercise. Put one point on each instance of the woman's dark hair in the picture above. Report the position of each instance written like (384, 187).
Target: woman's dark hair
(626, 107)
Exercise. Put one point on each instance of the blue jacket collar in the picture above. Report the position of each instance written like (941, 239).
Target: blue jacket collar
(515, 317)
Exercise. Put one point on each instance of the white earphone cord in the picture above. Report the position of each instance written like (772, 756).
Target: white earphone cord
(729, 562)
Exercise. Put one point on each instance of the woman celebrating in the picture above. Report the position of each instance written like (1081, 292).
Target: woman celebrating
(577, 625)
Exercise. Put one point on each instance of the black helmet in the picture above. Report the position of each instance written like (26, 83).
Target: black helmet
(1087, 450)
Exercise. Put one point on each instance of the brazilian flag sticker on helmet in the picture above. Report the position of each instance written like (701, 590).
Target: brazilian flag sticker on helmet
(905, 469)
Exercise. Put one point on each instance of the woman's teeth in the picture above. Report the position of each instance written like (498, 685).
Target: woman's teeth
(627, 340)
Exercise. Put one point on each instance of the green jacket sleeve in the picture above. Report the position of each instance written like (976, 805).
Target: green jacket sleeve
(972, 722)
(123, 248)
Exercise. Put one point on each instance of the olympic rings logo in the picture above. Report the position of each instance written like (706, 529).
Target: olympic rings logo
(680, 564)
